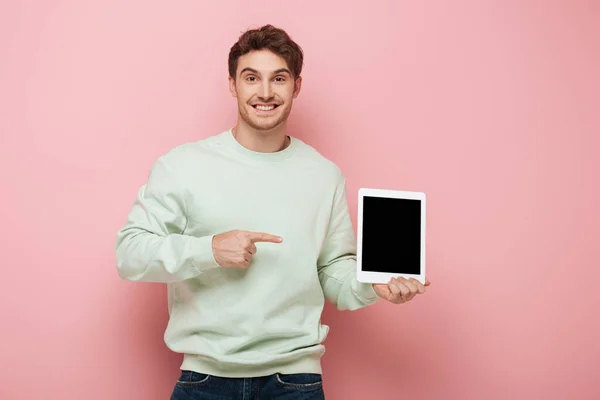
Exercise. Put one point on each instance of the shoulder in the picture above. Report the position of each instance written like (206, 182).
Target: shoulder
(190, 154)
(314, 159)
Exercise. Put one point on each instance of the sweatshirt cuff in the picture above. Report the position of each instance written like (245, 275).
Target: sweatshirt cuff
(204, 258)
(366, 291)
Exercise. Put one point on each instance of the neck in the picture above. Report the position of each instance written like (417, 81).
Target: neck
(263, 141)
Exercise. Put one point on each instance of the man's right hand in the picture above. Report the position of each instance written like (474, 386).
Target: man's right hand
(236, 248)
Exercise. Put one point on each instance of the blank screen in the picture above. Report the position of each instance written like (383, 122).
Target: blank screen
(391, 235)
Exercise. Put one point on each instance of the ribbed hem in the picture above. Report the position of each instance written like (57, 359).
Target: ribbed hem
(204, 259)
(366, 292)
(306, 362)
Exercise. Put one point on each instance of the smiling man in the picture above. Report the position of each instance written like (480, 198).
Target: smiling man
(250, 230)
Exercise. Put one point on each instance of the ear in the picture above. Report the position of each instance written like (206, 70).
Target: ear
(297, 87)
(232, 88)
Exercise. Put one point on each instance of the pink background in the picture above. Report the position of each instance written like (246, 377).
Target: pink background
(491, 108)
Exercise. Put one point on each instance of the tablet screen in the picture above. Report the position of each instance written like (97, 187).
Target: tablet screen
(391, 235)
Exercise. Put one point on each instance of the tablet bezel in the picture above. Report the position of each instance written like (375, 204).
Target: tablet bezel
(384, 277)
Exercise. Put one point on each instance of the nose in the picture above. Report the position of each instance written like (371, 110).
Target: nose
(265, 90)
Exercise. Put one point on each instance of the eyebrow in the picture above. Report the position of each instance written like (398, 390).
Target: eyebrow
(277, 71)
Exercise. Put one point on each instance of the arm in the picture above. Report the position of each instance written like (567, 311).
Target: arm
(151, 246)
(337, 260)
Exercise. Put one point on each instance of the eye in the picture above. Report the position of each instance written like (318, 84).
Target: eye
(280, 79)
(250, 78)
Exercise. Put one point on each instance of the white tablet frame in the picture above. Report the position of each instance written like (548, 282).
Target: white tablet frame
(384, 277)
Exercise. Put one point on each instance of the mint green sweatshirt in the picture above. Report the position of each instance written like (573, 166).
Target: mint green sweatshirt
(237, 322)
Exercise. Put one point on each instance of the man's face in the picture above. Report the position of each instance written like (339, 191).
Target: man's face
(264, 88)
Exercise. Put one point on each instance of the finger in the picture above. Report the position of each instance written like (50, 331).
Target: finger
(382, 290)
(263, 237)
(414, 289)
(394, 294)
(427, 283)
(400, 290)
(404, 290)
(419, 285)
(394, 288)
(251, 248)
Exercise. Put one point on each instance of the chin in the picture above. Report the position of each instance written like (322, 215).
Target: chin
(261, 124)
(265, 127)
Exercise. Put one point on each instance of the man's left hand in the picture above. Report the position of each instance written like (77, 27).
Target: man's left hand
(400, 290)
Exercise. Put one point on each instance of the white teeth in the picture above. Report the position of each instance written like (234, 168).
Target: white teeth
(265, 108)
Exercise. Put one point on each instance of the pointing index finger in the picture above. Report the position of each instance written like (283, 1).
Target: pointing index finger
(264, 237)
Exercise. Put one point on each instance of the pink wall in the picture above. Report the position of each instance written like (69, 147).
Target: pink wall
(492, 109)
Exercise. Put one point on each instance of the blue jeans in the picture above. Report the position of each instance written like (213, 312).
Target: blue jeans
(196, 386)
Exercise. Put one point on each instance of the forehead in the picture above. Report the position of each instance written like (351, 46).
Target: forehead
(264, 61)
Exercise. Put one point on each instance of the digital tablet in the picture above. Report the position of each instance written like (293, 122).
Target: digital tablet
(391, 235)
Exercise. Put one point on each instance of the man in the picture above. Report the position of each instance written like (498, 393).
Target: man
(250, 229)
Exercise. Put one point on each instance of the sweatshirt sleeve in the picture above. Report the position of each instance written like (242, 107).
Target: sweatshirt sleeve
(152, 246)
(337, 260)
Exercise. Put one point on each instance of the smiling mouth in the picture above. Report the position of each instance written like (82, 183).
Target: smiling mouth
(265, 107)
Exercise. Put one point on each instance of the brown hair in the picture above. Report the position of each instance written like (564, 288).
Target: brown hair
(270, 38)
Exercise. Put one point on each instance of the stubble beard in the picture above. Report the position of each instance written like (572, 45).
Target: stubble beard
(264, 124)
